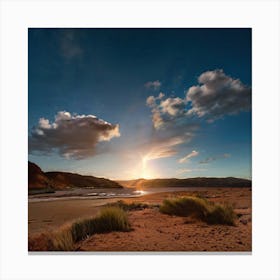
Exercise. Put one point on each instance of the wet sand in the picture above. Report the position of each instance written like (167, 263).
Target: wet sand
(153, 231)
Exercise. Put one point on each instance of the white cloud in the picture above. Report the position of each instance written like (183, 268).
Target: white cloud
(188, 156)
(170, 127)
(72, 136)
(151, 100)
(173, 106)
(165, 111)
(156, 113)
(218, 95)
(162, 148)
(154, 85)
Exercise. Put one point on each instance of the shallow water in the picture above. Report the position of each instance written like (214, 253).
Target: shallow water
(92, 193)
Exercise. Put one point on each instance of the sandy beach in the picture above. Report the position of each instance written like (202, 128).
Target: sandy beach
(152, 230)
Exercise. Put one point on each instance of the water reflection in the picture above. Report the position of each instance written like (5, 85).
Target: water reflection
(140, 192)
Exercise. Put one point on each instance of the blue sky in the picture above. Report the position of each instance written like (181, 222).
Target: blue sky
(131, 103)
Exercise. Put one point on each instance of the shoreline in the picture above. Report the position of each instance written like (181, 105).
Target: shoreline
(84, 194)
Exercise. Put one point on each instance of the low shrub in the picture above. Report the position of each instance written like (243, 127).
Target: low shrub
(129, 206)
(185, 206)
(221, 214)
(199, 208)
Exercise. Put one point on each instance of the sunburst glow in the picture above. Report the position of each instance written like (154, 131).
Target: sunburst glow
(147, 172)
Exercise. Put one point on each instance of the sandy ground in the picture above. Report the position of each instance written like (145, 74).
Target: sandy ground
(47, 215)
(153, 231)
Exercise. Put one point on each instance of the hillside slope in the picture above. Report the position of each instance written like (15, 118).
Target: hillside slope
(61, 180)
(47, 181)
(37, 180)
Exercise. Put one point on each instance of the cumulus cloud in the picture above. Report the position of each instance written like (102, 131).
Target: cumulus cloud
(156, 111)
(218, 95)
(173, 106)
(214, 158)
(153, 85)
(166, 111)
(188, 156)
(175, 117)
(151, 100)
(72, 136)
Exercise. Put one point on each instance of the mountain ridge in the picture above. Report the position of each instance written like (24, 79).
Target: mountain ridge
(57, 180)
(187, 182)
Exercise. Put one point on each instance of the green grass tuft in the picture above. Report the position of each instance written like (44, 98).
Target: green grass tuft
(199, 208)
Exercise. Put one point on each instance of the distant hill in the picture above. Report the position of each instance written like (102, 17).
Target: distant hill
(189, 182)
(61, 180)
(37, 180)
(50, 181)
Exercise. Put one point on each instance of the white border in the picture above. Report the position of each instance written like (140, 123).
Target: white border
(262, 16)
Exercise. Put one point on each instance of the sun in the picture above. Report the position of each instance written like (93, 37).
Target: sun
(146, 172)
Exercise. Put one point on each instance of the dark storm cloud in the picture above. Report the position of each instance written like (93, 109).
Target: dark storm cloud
(218, 95)
(72, 136)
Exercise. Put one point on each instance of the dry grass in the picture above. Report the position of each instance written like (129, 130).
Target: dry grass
(59, 240)
(64, 239)
(199, 208)
(109, 219)
(134, 206)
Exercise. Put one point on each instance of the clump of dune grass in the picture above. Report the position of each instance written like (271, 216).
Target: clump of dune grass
(199, 208)
(129, 206)
(221, 214)
(64, 239)
(58, 240)
(109, 219)
(112, 219)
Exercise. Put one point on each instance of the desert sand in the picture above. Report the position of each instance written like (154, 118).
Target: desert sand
(152, 230)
